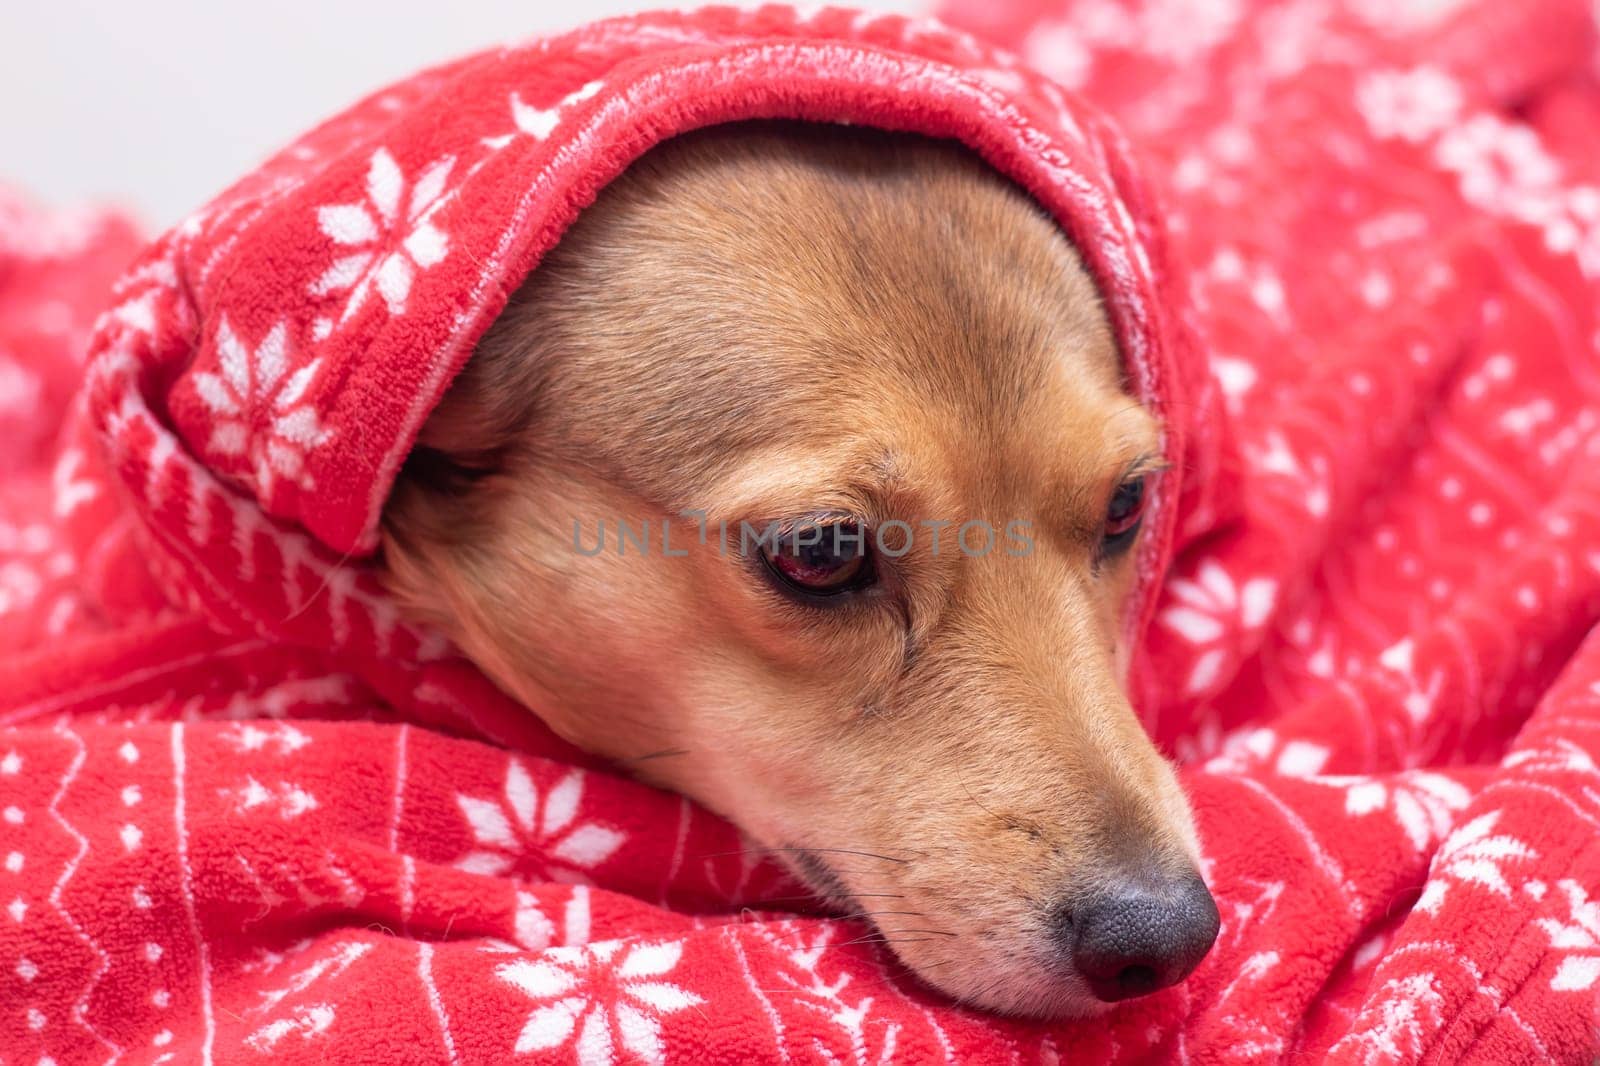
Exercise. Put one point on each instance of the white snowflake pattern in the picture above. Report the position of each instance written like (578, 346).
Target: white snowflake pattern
(1500, 166)
(1418, 699)
(1264, 748)
(329, 965)
(1305, 482)
(285, 799)
(258, 404)
(1474, 853)
(849, 1014)
(388, 237)
(1423, 804)
(1503, 167)
(283, 739)
(1236, 377)
(1412, 105)
(72, 488)
(1579, 936)
(603, 998)
(523, 824)
(1201, 740)
(1210, 610)
(540, 122)
(1409, 1008)
(1560, 757)
(533, 926)
(308, 1024)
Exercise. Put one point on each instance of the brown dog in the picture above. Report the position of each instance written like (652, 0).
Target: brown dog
(868, 391)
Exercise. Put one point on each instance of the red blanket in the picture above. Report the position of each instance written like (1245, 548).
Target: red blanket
(249, 813)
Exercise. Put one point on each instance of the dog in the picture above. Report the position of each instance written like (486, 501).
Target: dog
(802, 478)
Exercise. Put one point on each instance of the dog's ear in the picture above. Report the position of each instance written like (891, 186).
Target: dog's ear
(488, 408)
(439, 497)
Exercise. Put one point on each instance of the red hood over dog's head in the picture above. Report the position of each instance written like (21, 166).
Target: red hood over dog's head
(274, 357)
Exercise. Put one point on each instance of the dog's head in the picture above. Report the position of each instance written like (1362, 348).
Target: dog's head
(805, 465)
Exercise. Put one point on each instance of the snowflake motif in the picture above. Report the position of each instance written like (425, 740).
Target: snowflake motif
(1411, 1007)
(1304, 482)
(608, 994)
(1562, 756)
(308, 1024)
(843, 1016)
(1263, 748)
(1579, 934)
(1236, 377)
(249, 737)
(1496, 161)
(257, 403)
(1500, 166)
(1503, 167)
(388, 238)
(1418, 701)
(1412, 105)
(1212, 608)
(286, 800)
(1473, 854)
(1423, 804)
(542, 826)
(71, 486)
(1201, 740)
(540, 122)
(532, 929)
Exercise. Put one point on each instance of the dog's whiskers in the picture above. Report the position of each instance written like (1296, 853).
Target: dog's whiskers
(664, 753)
(813, 897)
(892, 936)
(939, 965)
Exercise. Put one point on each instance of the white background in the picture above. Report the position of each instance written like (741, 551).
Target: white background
(158, 104)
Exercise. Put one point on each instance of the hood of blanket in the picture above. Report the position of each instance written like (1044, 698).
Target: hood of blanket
(270, 361)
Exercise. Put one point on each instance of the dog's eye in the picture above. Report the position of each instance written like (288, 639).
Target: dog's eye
(1124, 514)
(821, 559)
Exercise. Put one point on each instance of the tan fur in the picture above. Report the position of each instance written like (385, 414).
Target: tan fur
(769, 321)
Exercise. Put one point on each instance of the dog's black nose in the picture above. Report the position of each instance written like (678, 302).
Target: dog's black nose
(1143, 935)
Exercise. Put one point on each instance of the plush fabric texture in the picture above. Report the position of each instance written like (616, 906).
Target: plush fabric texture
(251, 814)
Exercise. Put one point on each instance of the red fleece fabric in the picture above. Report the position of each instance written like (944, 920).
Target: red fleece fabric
(249, 813)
